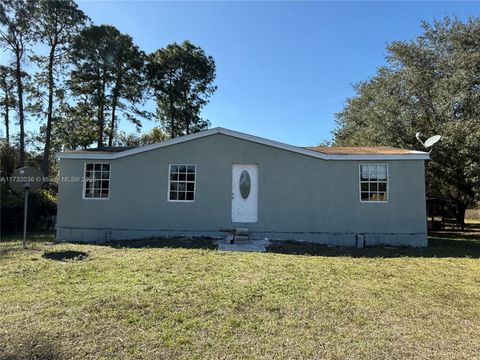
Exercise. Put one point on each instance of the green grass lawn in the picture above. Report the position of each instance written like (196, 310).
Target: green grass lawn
(157, 302)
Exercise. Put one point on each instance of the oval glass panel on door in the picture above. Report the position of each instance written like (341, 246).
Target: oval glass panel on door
(245, 184)
(244, 193)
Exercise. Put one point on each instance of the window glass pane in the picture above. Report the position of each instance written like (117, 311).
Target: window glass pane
(373, 182)
(97, 176)
(382, 172)
(382, 186)
(182, 186)
(364, 172)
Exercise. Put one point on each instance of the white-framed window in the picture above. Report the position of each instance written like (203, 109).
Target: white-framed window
(96, 181)
(181, 182)
(374, 183)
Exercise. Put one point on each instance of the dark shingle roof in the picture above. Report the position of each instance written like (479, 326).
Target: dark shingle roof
(360, 150)
(103, 150)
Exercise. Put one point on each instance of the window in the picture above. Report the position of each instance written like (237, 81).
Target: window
(374, 183)
(96, 183)
(181, 184)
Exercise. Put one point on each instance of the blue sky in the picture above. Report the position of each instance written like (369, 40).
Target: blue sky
(283, 68)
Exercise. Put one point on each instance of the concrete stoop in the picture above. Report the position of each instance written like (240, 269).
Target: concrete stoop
(244, 246)
(240, 236)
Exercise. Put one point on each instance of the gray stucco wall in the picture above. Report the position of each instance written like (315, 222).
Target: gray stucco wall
(300, 197)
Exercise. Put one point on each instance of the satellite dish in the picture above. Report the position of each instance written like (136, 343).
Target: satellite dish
(26, 179)
(417, 135)
(432, 140)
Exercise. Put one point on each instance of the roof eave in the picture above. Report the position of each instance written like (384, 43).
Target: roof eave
(414, 155)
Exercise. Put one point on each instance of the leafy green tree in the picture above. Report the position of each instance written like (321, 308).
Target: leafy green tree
(8, 100)
(16, 36)
(129, 85)
(73, 128)
(108, 66)
(182, 80)
(429, 85)
(155, 135)
(56, 23)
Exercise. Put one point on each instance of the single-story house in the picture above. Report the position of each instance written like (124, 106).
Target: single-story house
(212, 182)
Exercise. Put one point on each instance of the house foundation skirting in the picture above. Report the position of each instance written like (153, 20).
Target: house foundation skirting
(100, 235)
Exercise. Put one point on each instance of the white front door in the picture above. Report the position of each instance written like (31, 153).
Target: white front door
(244, 193)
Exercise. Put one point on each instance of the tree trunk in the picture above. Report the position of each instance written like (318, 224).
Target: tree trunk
(460, 215)
(115, 97)
(186, 114)
(112, 121)
(21, 117)
(172, 120)
(101, 114)
(48, 134)
(7, 117)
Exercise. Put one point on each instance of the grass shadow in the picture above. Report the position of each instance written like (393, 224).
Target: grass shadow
(34, 236)
(437, 248)
(30, 347)
(174, 242)
(66, 255)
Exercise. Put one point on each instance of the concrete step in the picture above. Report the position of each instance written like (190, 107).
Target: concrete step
(229, 239)
(240, 239)
(241, 231)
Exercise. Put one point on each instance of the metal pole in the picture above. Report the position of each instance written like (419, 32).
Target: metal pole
(25, 208)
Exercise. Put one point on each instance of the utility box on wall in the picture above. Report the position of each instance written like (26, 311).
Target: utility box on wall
(360, 240)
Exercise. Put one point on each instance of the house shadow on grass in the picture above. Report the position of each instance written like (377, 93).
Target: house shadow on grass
(437, 248)
(174, 242)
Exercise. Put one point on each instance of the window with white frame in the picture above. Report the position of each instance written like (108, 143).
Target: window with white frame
(374, 183)
(181, 185)
(96, 181)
